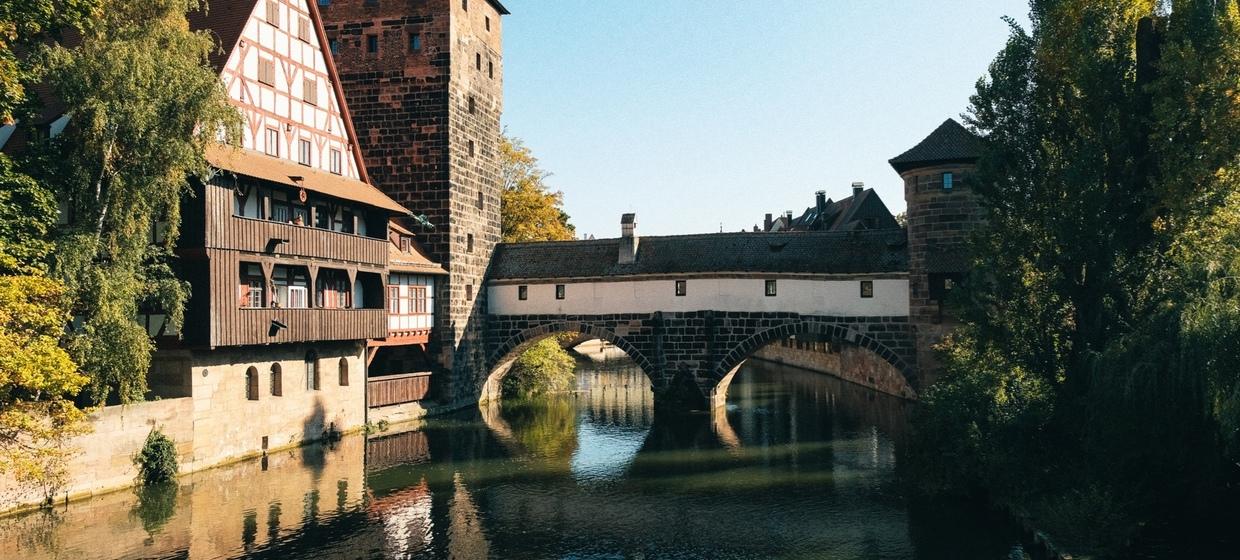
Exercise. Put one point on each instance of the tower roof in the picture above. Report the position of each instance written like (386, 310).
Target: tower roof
(949, 143)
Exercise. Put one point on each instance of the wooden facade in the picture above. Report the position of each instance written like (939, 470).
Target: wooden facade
(397, 389)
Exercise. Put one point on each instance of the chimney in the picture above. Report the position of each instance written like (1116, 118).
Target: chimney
(628, 239)
(858, 187)
(767, 223)
(820, 200)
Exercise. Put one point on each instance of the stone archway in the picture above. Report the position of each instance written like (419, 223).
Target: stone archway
(502, 359)
(726, 370)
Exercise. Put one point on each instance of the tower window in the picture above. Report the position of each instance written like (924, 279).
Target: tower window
(465, 5)
(559, 291)
(251, 384)
(481, 200)
(372, 44)
(867, 288)
(415, 42)
(948, 179)
(344, 372)
(473, 105)
(770, 288)
(469, 242)
(523, 293)
(277, 381)
(471, 148)
(334, 45)
(488, 23)
(681, 288)
(490, 69)
(478, 61)
(469, 292)
(312, 371)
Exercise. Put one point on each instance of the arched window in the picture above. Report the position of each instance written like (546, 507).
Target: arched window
(344, 372)
(277, 380)
(251, 383)
(312, 371)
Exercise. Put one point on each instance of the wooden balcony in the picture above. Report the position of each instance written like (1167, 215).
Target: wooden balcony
(255, 326)
(397, 389)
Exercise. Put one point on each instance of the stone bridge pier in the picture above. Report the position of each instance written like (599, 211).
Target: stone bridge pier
(691, 357)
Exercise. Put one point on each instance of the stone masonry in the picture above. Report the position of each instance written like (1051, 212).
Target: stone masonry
(688, 355)
(424, 84)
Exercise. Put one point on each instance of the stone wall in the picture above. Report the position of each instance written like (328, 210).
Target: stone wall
(846, 362)
(428, 124)
(218, 424)
(939, 223)
(687, 355)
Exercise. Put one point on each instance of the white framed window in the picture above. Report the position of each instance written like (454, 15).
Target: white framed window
(334, 161)
(303, 152)
(272, 146)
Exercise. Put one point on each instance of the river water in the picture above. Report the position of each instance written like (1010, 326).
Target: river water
(800, 465)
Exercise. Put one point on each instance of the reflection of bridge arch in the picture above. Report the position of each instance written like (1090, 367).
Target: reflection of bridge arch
(502, 359)
(829, 330)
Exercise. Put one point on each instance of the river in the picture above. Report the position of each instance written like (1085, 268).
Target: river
(800, 465)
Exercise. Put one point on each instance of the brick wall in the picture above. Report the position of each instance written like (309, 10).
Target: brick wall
(417, 113)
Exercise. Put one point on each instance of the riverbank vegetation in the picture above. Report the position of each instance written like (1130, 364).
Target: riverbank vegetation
(1094, 388)
(544, 368)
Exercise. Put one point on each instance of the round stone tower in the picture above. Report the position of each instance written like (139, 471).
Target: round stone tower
(938, 176)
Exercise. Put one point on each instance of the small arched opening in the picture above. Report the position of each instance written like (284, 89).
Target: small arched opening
(344, 372)
(312, 371)
(277, 380)
(251, 383)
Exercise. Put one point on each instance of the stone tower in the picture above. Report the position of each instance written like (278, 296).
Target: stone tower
(424, 83)
(938, 176)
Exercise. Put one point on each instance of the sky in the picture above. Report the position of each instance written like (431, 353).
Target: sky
(701, 115)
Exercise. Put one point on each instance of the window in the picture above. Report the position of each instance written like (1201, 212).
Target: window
(303, 152)
(681, 287)
(417, 299)
(948, 179)
(325, 3)
(252, 283)
(344, 372)
(490, 69)
(481, 200)
(478, 61)
(267, 71)
(277, 380)
(334, 162)
(559, 291)
(332, 289)
(312, 371)
(404, 243)
(372, 44)
(273, 13)
(415, 42)
(334, 45)
(469, 242)
(770, 288)
(471, 148)
(273, 142)
(310, 91)
(251, 384)
(291, 286)
(867, 288)
(303, 29)
(488, 23)
(473, 105)
(523, 293)
(465, 5)
(469, 292)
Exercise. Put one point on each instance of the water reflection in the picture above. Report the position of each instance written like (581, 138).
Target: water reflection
(797, 465)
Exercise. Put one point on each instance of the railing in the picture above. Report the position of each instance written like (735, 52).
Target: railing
(238, 326)
(397, 389)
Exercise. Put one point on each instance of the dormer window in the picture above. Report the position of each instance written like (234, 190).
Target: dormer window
(404, 244)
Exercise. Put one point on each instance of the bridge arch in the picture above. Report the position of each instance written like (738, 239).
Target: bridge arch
(505, 355)
(735, 356)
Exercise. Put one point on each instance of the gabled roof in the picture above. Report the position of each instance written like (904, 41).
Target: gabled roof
(415, 260)
(949, 143)
(876, 251)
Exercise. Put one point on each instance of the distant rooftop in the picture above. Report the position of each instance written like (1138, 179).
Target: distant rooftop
(949, 143)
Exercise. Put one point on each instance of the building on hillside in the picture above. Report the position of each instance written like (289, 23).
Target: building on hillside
(863, 209)
(425, 83)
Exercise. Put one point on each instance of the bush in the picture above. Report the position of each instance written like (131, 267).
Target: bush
(157, 462)
(545, 367)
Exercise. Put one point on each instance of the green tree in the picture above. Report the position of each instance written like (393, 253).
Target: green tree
(529, 210)
(144, 104)
(24, 25)
(1102, 287)
(546, 367)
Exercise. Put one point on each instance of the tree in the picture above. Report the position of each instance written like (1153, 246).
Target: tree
(144, 103)
(1103, 324)
(529, 210)
(24, 24)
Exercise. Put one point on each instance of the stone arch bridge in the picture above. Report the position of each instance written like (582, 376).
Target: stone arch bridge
(689, 310)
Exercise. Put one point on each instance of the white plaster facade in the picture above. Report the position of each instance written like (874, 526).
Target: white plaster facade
(805, 295)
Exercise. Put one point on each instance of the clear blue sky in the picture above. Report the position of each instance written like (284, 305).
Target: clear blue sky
(694, 113)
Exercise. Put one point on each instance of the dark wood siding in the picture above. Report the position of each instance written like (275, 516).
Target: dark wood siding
(226, 231)
(397, 389)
